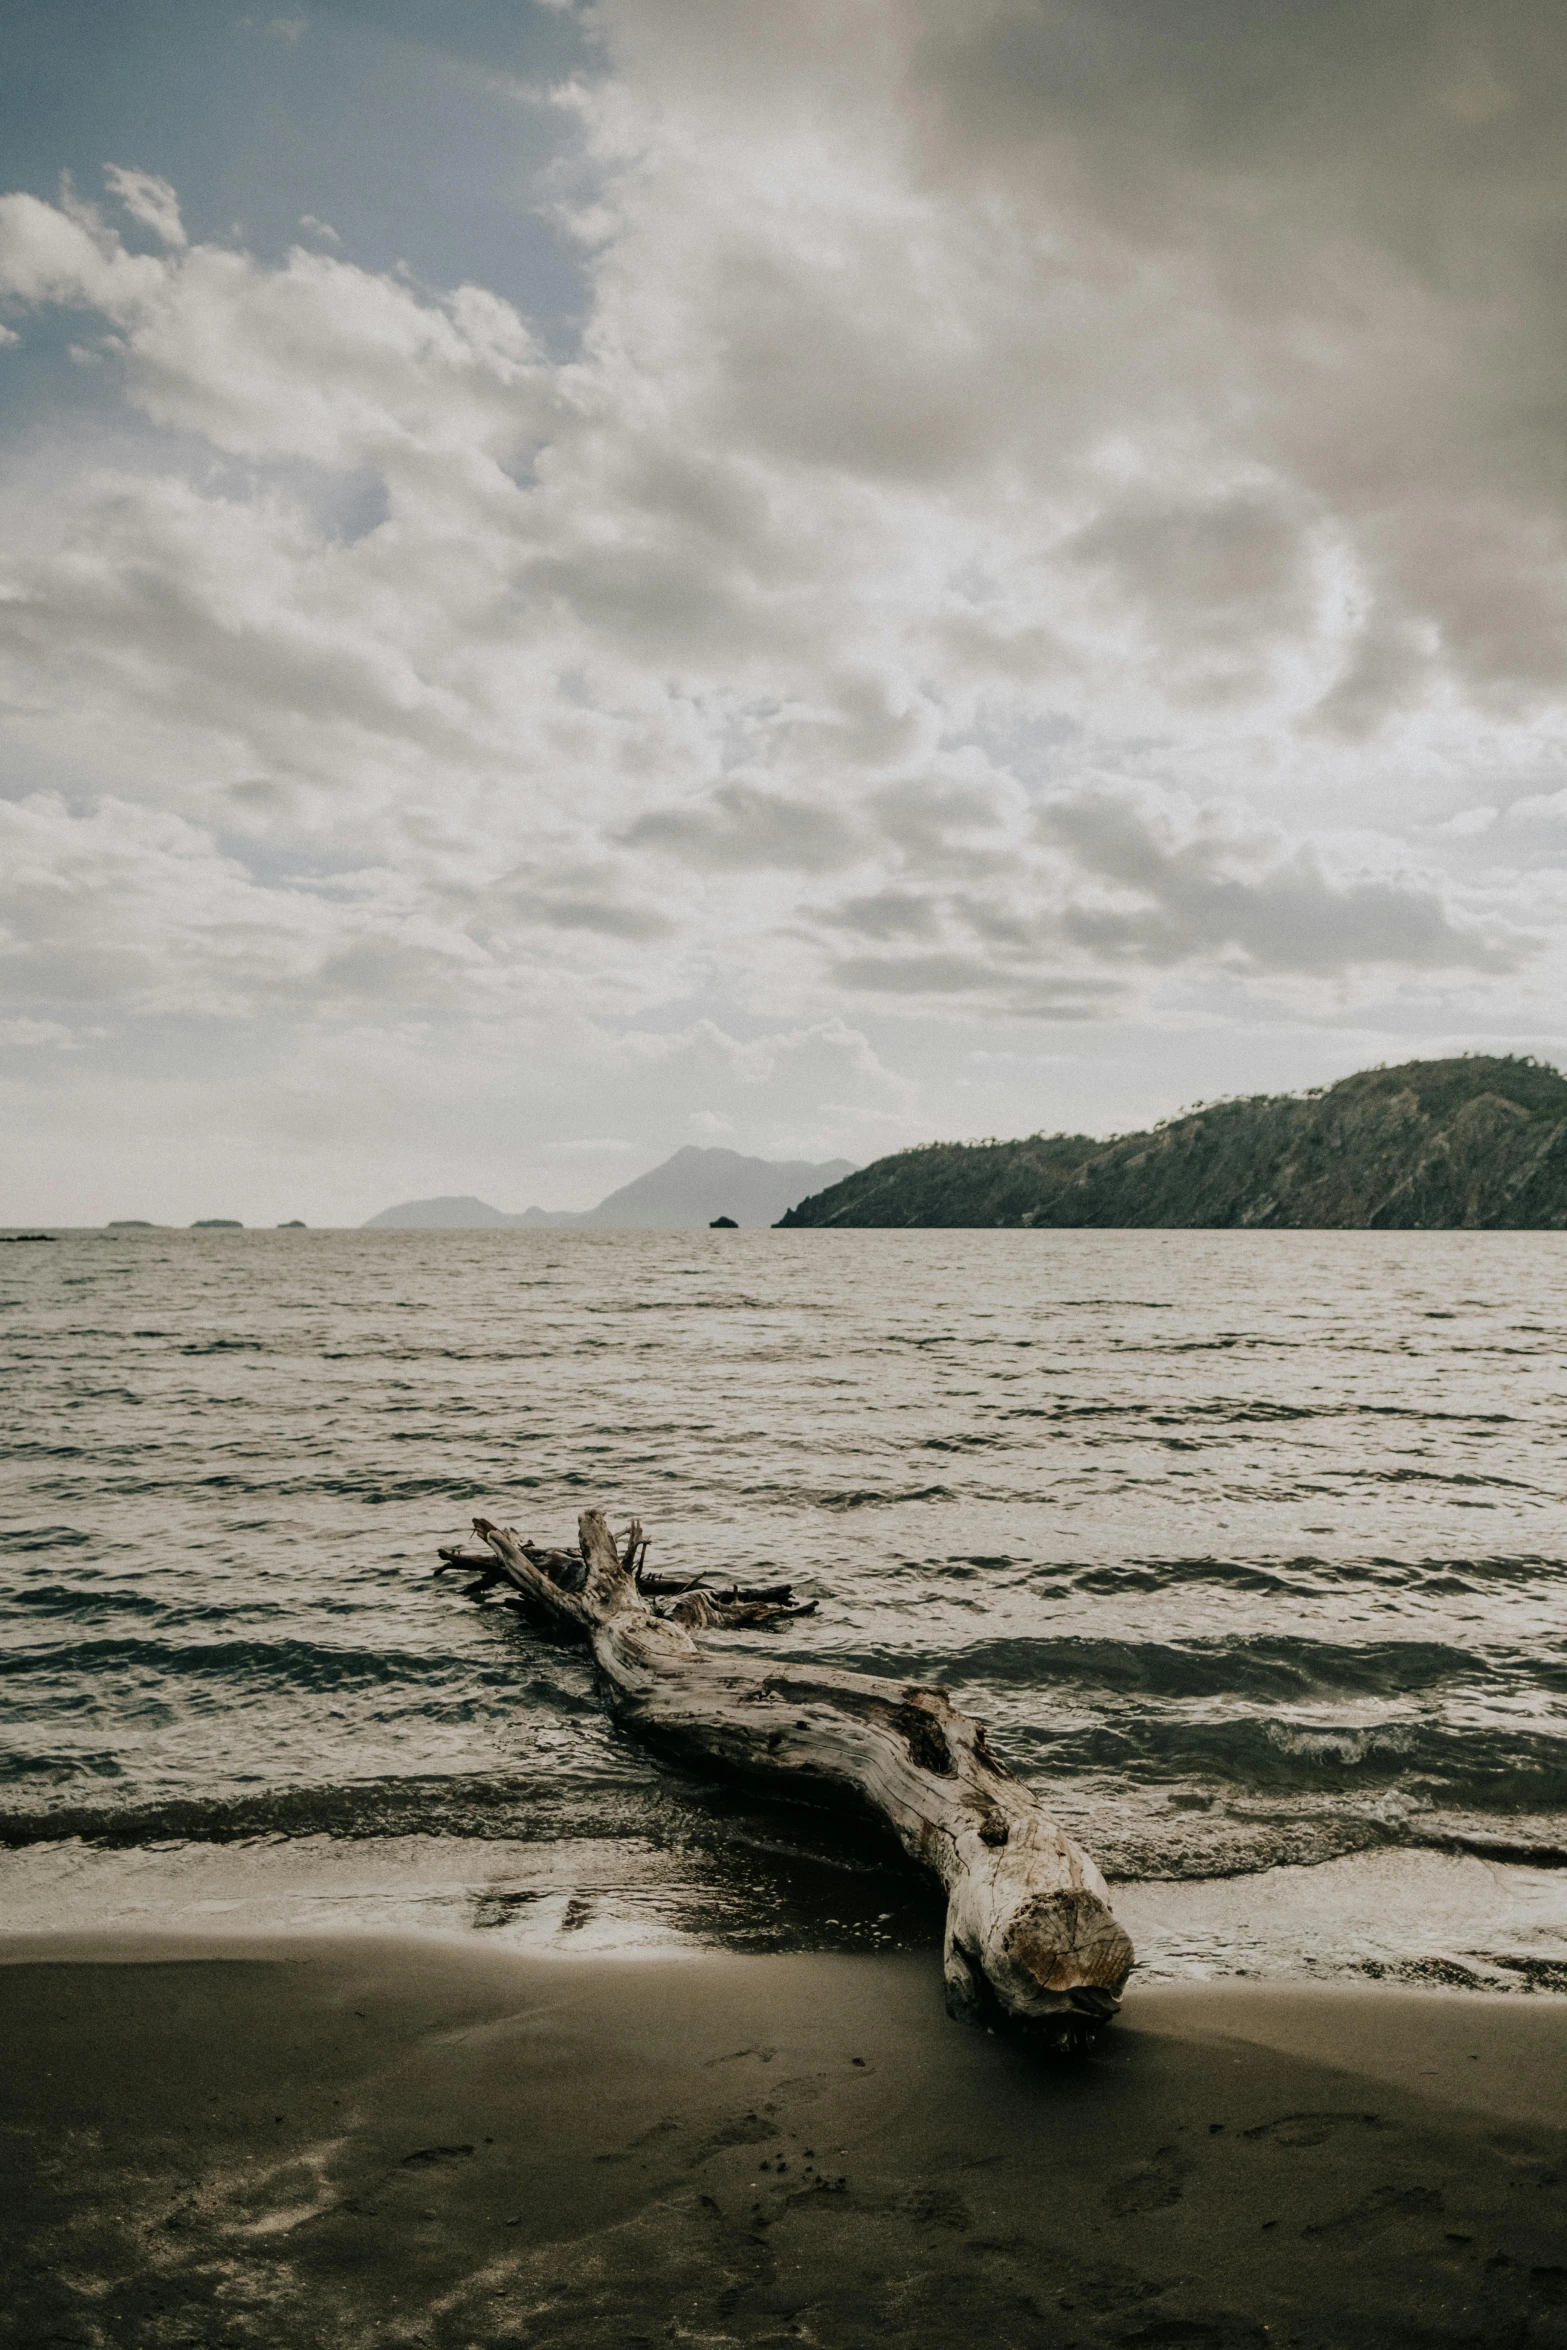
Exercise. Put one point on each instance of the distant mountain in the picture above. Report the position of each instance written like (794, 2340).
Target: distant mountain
(696, 1185)
(685, 1193)
(1477, 1143)
(461, 1213)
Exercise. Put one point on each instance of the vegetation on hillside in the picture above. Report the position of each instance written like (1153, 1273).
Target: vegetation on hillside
(1477, 1143)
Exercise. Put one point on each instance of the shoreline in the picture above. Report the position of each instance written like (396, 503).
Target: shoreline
(351, 2140)
(1397, 1914)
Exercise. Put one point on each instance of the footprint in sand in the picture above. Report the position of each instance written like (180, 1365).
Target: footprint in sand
(748, 2129)
(1159, 2181)
(1312, 2129)
(936, 2207)
(1376, 2212)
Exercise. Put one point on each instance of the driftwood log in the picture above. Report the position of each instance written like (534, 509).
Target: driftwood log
(1030, 1938)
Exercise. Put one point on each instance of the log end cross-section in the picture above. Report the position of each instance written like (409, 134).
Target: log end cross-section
(1030, 1939)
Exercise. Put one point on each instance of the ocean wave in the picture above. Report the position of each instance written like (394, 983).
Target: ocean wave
(427, 1805)
(1282, 1670)
(1502, 1770)
(1244, 1412)
(89, 1599)
(1302, 1574)
(1403, 1475)
(718, 1831)
(879, 1497)
(240, 1665)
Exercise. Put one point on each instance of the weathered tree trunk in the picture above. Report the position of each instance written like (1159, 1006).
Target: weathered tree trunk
(1030, 1937)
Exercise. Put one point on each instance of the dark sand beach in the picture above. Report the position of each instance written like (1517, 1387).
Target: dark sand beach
(375, 2142)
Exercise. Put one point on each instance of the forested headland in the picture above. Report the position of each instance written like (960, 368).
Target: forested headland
(1477, 1143)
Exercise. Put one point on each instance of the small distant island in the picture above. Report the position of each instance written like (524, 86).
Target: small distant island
(1475, 1143)
(217, 1224)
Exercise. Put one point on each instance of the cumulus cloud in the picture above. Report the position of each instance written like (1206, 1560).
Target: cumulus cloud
(1074, 907)
(316, 359)
(149, 200)
(137, 910)
(1183, 883)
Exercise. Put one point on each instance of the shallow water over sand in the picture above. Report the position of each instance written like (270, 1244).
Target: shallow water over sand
(1251, 1547)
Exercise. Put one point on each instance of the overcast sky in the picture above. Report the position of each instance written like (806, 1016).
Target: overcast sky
(805, 574)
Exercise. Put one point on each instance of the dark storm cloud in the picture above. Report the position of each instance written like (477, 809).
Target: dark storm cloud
(1359, 211)
(1418, 124)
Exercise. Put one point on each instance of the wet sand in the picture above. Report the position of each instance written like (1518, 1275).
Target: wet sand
(395, 2142)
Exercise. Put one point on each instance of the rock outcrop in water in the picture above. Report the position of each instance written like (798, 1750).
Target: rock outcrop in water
(1475, 1144)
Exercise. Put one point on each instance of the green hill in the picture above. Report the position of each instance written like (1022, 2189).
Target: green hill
(1478, 1144)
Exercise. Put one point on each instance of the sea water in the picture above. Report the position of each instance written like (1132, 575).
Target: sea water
(1251, 1548)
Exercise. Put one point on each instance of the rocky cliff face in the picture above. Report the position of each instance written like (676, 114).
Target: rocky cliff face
(1478, 1143)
